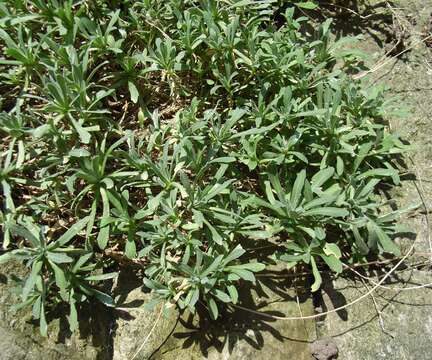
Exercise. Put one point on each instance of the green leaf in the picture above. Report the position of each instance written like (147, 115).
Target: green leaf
(332, 249)
(323, 200)
(42, 321)
(243, 3)
(103, 237)
(223, 160)
(318, 280)
(386, 243)
(130, 249)
(340, 166)
(69, 234)
(59, 258)
(24, 19)
(380, 173)
(60, 279)
(73, 317)
(244, 274)
(92, 218)
(79, 153)
(269, 193)
(41, 130)
(327, 211)
(309, 5)
(194, 298)
(84, 135)
(32, 279)
(321, 177)
(214, 312)
(216, 237)
(103, 298)
(255, 131)
(232, 291)
(368, 188)
(252, 266)
(333, 263)
(234, 254)
(26, 234)
(359, 240)
(214, 265)
(133, 92)
(6, 257)
(36, 308)
(149, 283)
(297, 188)
(101, 277)
(222, 296)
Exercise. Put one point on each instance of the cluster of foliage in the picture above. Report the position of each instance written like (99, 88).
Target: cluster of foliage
(183, 135)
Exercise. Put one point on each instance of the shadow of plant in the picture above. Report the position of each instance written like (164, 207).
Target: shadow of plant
(355, 17)
(272, 295)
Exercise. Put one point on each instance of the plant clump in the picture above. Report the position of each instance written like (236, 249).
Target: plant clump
(184, 136)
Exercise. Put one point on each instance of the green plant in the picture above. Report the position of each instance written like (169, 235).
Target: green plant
(184, 134)
(66, 268)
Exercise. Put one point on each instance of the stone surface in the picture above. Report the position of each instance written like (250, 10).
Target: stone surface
(239, 335)
(403, 332)
(139, 332)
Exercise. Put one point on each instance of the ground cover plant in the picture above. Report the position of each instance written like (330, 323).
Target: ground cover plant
(182, 136)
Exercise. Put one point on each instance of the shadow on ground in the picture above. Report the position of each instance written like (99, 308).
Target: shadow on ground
(241, 334)
(354, 17)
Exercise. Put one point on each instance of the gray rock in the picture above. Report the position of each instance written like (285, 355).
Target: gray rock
(324, 349)
(20, 339)
(103, 334)
(139, 332)
(240, 335)
(405, 328)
